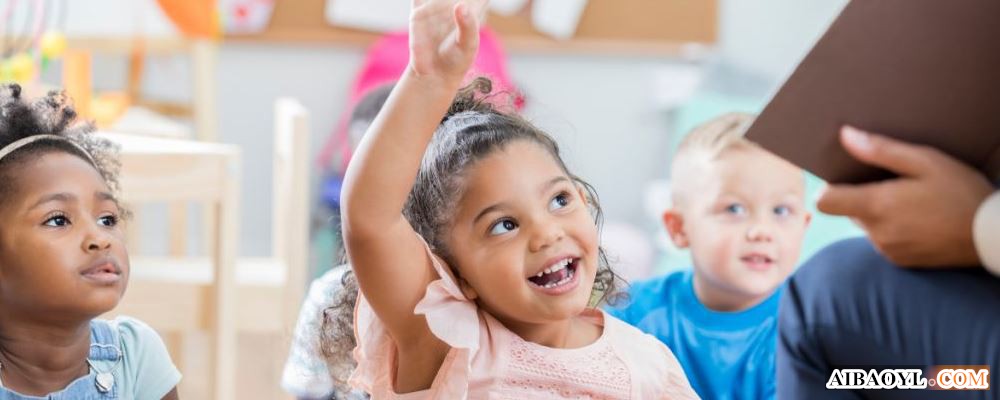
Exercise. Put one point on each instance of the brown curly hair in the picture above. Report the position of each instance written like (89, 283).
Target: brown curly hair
(476, 125)
(52, 114)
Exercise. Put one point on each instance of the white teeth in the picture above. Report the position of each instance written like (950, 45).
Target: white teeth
(561, 282)
(556, 267)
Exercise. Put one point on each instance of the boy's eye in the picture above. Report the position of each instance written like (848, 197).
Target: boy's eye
(58, 220)
(736, 209)
(782, 211)
(561, 200)
(108, 220)
(503, 226)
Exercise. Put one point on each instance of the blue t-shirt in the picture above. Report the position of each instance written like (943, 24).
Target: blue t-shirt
(726, 355)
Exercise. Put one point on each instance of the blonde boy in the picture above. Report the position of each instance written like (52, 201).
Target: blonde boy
(741, 212)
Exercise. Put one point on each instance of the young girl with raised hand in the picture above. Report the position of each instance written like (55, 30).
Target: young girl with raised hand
(476, 250)
(63, 263)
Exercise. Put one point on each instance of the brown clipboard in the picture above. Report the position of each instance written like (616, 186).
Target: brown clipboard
(925, 71)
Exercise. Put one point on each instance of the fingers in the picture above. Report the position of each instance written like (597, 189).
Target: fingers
(903, 158)
(479, 8)
(468, 27)
(848, 200)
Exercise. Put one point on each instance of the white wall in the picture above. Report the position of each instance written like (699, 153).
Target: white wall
(600, 108)
(608, 127)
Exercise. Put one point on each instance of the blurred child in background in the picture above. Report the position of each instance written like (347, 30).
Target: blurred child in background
(741, 211)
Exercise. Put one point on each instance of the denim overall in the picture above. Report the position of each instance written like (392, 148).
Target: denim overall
(105, 356)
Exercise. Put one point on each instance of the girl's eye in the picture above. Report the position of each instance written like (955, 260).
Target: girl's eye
(736, 209)
(56, 221)
(782, 211)
(561, 200)
(503, 226)
(108, 220)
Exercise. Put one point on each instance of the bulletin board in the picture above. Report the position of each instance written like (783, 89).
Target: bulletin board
(607, 26)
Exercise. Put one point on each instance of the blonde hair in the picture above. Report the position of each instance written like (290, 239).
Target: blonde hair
(717, 135)
(705, 143)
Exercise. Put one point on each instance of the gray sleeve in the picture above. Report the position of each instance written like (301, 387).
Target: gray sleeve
(305, 374)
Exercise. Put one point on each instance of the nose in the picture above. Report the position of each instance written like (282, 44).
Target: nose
(97, 240)
(760, 232)
(546, 234)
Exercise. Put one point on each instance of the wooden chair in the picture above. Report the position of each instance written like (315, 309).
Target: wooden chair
(167, 171)
(200, 109)
(170, 292)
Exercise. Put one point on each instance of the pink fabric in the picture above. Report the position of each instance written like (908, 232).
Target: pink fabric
(488, 361)
(385, 62)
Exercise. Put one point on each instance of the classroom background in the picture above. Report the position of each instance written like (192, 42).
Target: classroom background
(223, 108)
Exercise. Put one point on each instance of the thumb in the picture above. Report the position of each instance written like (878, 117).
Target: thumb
(905, 159)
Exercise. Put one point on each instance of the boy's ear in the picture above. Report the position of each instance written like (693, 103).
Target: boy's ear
(583, 193)
(674, 222)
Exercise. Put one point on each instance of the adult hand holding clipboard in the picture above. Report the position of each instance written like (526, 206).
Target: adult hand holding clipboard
(922, 73)
(923, 217)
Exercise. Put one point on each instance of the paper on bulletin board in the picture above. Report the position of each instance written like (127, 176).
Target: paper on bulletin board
(245, 16)
(507, 7)
(371, 15)
(557, 18)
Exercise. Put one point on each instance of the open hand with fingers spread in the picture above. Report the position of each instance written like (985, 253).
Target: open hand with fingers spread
(922, 218)
(444, 37)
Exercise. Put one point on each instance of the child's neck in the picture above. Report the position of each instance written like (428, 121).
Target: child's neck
(39, 358)
(718, 299)
(566, 334)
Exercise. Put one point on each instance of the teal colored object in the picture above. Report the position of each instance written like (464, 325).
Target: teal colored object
(325, 250)
(704, 106)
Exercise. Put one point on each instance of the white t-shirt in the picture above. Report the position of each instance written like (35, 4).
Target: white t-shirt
(986, 231)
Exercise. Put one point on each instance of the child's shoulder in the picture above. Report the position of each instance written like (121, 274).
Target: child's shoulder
(652, 293)
(132, 333)
(654, 367)
(146, 366)
(661, 283)
(626, 336)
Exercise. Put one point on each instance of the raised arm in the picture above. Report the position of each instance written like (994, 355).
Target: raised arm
(389, 259)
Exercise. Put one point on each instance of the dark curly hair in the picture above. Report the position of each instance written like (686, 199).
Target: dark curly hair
(476, 125)
(49, 115)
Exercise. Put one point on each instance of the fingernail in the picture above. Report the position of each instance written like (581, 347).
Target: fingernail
(856, 137)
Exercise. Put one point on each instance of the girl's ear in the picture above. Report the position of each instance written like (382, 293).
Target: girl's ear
(673, 220)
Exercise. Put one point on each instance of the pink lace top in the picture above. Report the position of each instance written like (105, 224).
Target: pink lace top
(488, 361)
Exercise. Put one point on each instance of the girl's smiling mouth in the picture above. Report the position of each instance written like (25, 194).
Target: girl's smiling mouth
(558, 278)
